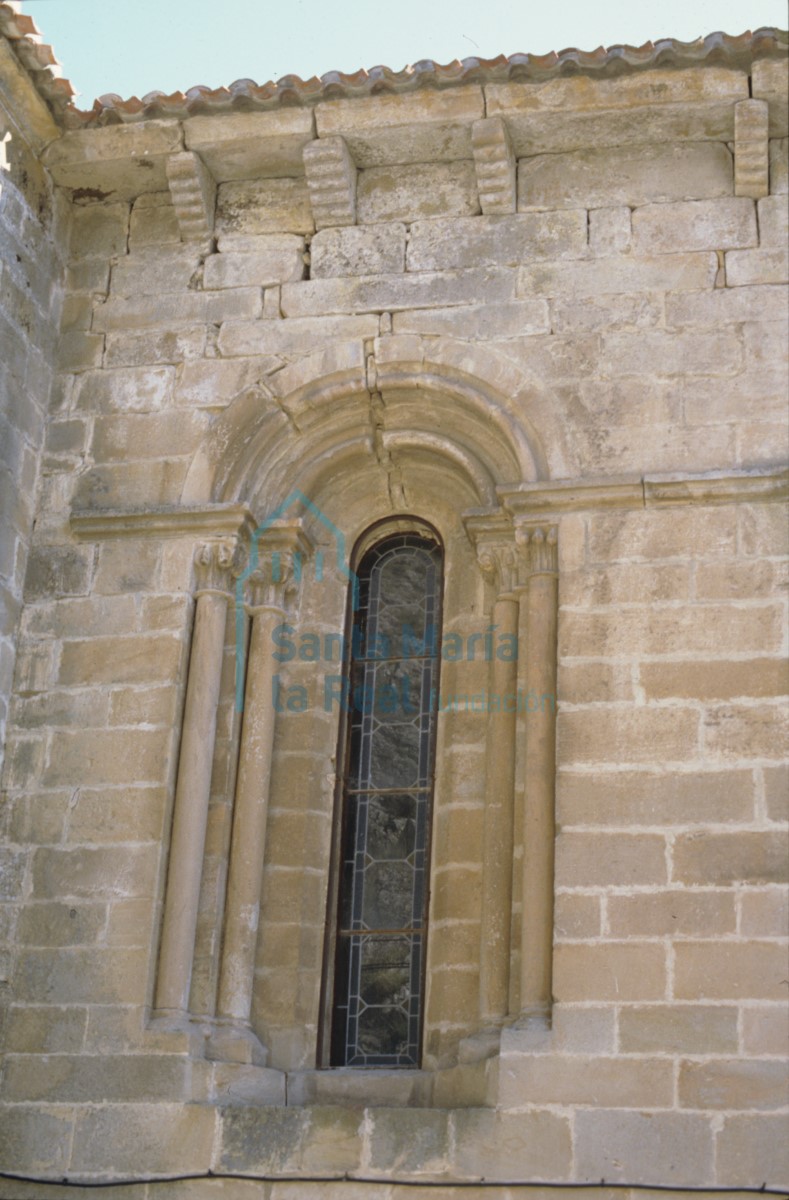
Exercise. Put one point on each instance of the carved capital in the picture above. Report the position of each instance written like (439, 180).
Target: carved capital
(539, 544)
(217, 565)
(498, 562)
(277, 560)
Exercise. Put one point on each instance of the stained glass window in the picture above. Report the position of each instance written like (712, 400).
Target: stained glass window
(387, 793)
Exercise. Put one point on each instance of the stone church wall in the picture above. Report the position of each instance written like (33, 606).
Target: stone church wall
(33, 226)
(603, 263)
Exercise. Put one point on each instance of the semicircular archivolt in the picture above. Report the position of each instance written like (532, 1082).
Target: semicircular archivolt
(329, 413)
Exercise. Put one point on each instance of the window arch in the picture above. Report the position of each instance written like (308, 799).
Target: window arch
(375, 972)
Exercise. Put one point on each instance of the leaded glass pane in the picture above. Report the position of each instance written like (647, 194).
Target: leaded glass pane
(387, 799)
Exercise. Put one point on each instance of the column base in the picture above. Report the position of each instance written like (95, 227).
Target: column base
(235, 1044)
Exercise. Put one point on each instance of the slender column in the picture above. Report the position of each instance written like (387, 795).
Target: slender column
(500, 562)
(539, 774)
(187, 844)
(271, 585)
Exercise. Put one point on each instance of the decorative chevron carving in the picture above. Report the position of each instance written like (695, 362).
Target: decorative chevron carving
(751, 149)
(193, 190)
(331, 179)
(494, 160)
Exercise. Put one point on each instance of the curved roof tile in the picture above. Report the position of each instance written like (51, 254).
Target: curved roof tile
(244, 95)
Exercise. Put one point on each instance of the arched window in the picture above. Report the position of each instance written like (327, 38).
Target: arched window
(375, 976)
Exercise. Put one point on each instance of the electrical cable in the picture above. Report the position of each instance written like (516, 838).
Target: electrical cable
(706, 1189)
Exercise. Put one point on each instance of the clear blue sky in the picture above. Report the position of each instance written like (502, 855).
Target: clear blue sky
(136, 46)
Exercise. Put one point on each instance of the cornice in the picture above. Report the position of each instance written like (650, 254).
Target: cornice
(640, 491)
(218, 520)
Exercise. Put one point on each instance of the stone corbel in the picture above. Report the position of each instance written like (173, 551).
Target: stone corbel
(193, 192)
(331, 180)
(751, 149)
(495, 165)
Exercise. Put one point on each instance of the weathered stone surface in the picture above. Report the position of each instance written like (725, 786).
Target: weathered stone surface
(496, 321)
(496, 241)
(680, 273)
(150, 272)
(771, 84)
(137, 390)
(284, 1140)
(265, 269)
(728, 970)
(610, 970)
(632, 176)
(695, 225)
(752, 1147)
(388, 293)
(154, 222)
(773, 221)
(251, 145)
(264, 206)
(746, 267)
(610, 230)
(271, 338)
(678, 1029)
(171, 1138)
(360, 250)
(732, 858)
(642, 1147)
(64, 570)
(502, 1145)
(616, 860)
(688, 913)
(99, 231)
(422, 126)
(779, 166)
(39, 1138)
(173, 309)
(408, 193)
(732, 1083)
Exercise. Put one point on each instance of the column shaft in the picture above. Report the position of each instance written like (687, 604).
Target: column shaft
(245, 877)
(187, 844)
(498, 845)
(539, 792)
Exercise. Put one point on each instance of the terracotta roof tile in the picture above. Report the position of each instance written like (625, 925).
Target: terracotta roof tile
(247, 96)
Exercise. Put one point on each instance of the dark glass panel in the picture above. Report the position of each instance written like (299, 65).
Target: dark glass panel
(383, 887)
(383, 1035)
(391, 826)
(394, 761)
(388, 895)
